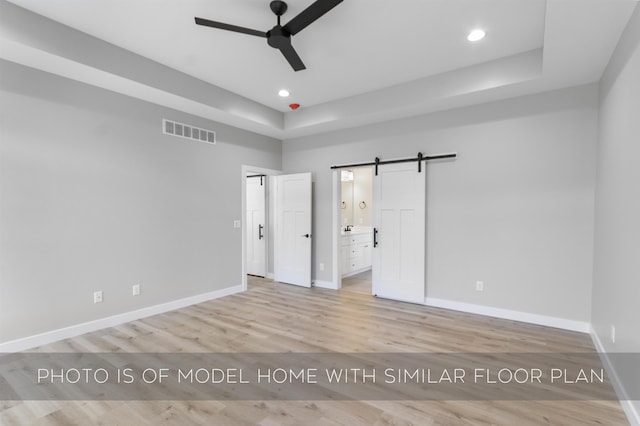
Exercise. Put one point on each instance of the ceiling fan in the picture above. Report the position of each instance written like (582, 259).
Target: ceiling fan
(279, 37)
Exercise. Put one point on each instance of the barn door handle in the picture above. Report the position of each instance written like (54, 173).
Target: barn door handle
(260, 228)
(375, 237)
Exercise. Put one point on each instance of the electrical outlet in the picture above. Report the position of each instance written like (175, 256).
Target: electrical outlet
(97, 297)
(236, 224)
(613, 334)
(135, 290)
(321, 266)
(479, 286)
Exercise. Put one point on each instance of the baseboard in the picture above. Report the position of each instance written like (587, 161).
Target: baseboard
(630, 409)
(565, 324)
(270, 276)
(325, 284)
(78, 329)
(356, 272)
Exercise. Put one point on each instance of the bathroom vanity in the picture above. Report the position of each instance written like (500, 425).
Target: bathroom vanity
(355, 250)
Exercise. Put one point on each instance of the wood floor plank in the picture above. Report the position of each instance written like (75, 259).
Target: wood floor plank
(274, 317)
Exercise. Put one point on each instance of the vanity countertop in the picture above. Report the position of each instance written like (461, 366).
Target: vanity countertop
(357, 230)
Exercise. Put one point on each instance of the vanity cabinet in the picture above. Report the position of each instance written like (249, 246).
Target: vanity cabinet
(355, 252)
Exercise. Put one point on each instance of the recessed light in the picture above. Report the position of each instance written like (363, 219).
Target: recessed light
(283, 93)
(476, 35)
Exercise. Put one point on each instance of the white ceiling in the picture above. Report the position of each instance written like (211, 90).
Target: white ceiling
(366, 59)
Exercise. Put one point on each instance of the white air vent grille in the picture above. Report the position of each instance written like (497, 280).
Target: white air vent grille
(188, 132)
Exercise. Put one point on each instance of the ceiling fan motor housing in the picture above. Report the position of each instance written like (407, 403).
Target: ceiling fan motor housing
(278, 37)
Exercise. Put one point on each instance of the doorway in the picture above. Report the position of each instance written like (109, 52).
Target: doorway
(398, 232)
(257, 207)
(356, 236)
(255, 225)
(276, 244)
(359, 283)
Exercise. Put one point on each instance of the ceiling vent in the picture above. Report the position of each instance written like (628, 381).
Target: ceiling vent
(188, 132)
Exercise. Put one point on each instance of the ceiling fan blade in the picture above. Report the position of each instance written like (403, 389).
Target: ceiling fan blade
(229, 27)
(292, 57)
(309, 15)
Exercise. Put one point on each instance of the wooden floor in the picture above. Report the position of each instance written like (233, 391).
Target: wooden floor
(360, 283)
(273, 317)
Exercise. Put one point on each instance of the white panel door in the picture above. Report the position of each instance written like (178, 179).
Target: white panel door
(399, 194)
(293, 229)
(255, 223)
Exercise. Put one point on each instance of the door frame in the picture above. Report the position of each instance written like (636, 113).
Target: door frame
(244, 170)
(256, 197)
(336, 221)
(337, 230)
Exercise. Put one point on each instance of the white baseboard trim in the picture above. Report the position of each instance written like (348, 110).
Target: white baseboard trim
(629, 407)
(565, 324)
(357, 271)
(78, 329)
(270, 276)
(325, 284)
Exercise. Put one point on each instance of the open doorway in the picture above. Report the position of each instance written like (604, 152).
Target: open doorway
(398, 230)
(276, 226)
(257, 223)
(356, 225)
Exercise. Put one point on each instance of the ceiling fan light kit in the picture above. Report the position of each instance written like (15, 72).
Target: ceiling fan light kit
(279, 37)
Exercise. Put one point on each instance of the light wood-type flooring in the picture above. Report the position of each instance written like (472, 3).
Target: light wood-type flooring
(360, 283)
(274, 317)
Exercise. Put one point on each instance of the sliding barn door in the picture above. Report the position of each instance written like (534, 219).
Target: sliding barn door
(293, 229)
(255, 223)
(399, 196)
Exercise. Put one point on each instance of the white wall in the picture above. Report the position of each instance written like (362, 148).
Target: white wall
(347, 198)
(95, 197)
(515, 210)
(616, 286)
(94, 60)
(362, 196)
(358, 195)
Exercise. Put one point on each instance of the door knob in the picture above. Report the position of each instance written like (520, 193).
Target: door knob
(306, 235)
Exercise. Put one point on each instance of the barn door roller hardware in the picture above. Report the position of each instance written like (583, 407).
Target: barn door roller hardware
(419, 159)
